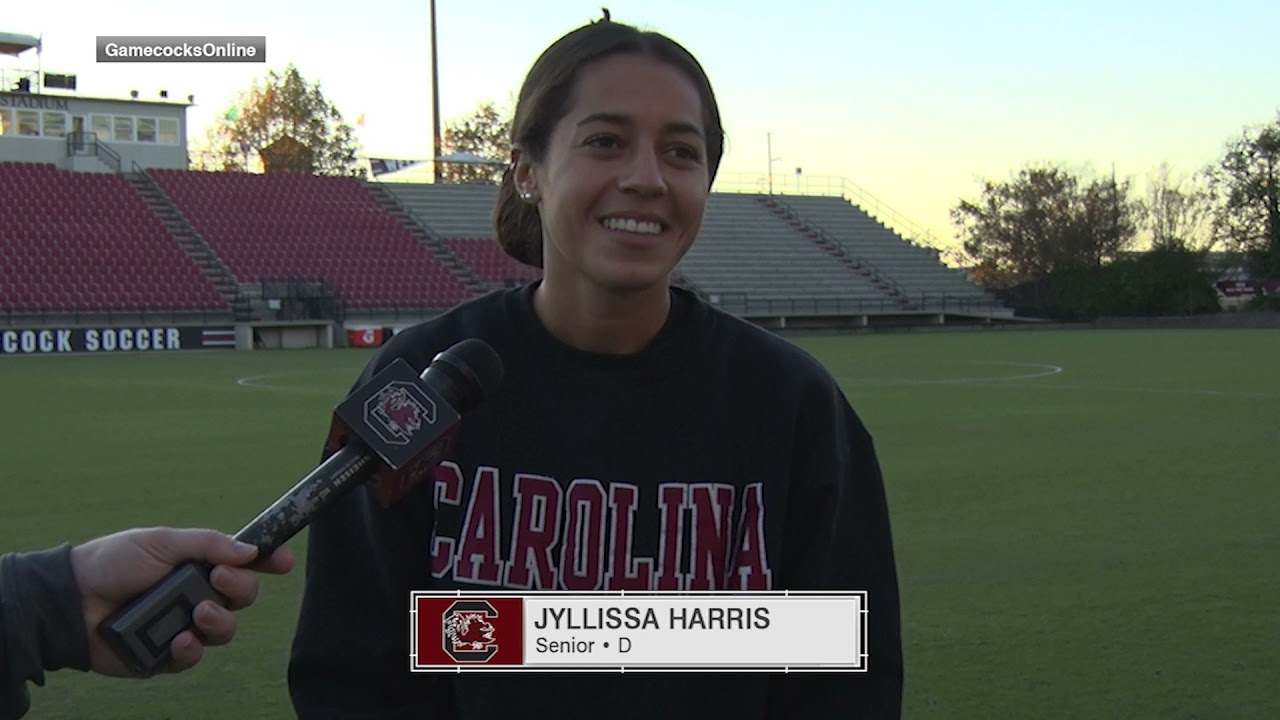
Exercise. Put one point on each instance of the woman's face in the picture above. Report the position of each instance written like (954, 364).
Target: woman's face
(624, 183)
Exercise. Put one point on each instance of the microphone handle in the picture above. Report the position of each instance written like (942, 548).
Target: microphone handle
(273, 527)
(140, 632)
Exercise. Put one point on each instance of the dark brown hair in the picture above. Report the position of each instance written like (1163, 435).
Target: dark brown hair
(544, 99)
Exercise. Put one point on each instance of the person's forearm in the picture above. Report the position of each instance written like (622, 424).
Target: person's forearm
(41, 625)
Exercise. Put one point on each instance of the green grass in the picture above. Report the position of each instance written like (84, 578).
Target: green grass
(1086, 522)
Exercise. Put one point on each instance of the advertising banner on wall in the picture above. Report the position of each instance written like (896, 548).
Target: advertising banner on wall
(52, 341)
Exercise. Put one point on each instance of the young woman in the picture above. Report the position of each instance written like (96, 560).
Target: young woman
(641, 439)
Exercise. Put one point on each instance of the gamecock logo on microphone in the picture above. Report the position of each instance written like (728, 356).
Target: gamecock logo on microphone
(468, 634)
(399, 410)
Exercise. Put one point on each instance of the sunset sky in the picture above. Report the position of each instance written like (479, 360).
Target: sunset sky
(910, 101)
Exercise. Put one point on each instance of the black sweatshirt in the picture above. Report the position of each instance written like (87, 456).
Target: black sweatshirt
(733, 454)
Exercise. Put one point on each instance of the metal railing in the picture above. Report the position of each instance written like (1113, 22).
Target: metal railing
(745, 304)
(301, 298)
(41, 318)
(394, 314)
(87, 143)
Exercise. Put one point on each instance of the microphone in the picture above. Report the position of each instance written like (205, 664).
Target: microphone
(391, 432)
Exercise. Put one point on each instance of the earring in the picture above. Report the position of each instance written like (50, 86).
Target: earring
(528, 197)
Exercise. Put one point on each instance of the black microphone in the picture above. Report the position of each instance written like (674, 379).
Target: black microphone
(392, 431)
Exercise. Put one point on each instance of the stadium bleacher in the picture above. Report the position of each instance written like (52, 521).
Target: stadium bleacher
(86, 242)
(449, 211)
(270, 227)
(917, 269)
(748, 253)
(82, 242)
(744, 249)
(491, 262)
(461, 217)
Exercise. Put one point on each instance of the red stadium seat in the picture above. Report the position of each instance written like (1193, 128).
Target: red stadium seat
(88, 242)
(295, 226)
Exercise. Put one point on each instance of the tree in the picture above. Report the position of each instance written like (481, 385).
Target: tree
(286, 124)
(1247, 185)
(1177, 211)
(485, 134)
(1045, 219)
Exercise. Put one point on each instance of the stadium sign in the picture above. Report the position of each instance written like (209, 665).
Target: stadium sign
(39, 102)
(52, 341)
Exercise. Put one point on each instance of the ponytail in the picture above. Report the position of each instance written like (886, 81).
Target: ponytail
(517, 223)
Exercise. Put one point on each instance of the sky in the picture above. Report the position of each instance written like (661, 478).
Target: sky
(911, 103)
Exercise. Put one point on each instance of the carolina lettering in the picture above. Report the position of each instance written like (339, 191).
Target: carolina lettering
(582, 555)
(478, 560)
(583, 537)
(448, 491)
(712, 510)
(537, 532)
(636, 572)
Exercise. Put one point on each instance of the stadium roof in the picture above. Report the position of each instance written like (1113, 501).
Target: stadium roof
(15, 44)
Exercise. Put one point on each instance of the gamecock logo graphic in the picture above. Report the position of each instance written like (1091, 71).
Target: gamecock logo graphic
(398, 411)
(468, 634)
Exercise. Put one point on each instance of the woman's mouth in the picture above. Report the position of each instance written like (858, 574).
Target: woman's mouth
(631, 225)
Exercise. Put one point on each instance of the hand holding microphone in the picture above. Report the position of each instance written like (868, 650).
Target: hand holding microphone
(392, 430)
(112, 569)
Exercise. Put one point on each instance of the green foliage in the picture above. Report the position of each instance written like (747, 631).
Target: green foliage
(1164, 281)
(289, 124)
(486, 134)
(1046, 219)
(1177, 211)
(1247, 184)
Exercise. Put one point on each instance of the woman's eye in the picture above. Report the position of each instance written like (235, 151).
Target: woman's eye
(602, 141)
(685, 152)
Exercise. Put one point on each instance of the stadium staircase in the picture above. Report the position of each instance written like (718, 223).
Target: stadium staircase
(746, 256)
(422, 231)
(837, 250)
(190, 241)
(459, 217)
(916, 270)
(450, 211)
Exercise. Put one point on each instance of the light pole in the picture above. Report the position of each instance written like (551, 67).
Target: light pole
(772, 159)
(435, 98)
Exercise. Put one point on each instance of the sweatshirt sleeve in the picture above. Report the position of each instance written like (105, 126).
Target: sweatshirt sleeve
(350, 653)
(837, 537)
(41, 624)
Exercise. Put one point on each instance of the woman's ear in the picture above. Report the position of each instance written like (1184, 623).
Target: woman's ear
(525, 179)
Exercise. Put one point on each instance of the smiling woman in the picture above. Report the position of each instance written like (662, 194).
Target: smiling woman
(625, 161)
(616, 141)
(642, 439)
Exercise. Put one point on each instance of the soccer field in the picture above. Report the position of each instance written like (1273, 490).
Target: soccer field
(1086, 522)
